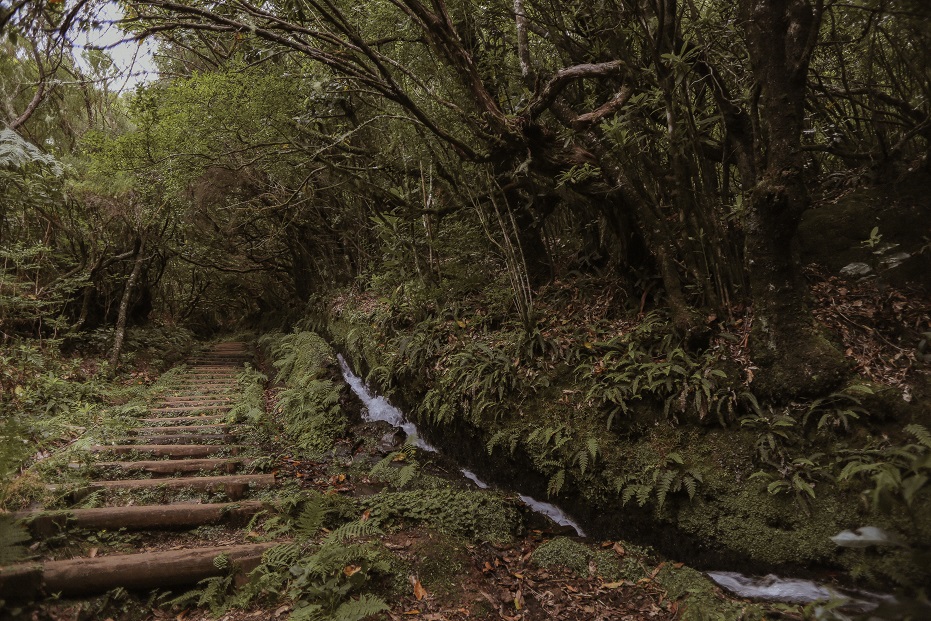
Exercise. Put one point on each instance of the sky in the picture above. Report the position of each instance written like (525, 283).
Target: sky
(135, 61)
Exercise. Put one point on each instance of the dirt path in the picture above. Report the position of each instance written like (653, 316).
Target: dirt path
(181, 444)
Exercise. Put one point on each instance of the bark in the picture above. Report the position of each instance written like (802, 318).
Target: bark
(148, 517)
(120, 334)
(795, 360)
(253, 481)
(174, 451)
(84, 576)
(38, 97)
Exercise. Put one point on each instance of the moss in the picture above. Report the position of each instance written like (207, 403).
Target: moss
(440, 561)
(477, 516)
(698, 599)
(581, 559)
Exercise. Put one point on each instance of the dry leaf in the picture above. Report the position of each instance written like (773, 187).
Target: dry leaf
(92, 552)
(419, 591)
(351, 570)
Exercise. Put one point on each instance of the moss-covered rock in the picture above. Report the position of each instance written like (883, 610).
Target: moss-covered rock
(585, 561)
(478, 516)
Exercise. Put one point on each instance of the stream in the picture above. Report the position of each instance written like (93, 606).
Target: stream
(770, 587)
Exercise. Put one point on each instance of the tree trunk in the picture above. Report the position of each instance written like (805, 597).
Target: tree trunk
(120, 334)
(795, 360)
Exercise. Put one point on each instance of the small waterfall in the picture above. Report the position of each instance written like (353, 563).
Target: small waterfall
(379, 408)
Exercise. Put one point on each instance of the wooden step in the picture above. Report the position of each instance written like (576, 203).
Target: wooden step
(183, 419)
(143, 517)
(162, 450)
(193, 408)
(197, 399)
(174, 466)
(189, 429)
(148, 570)
(194, 438)
(235, 481)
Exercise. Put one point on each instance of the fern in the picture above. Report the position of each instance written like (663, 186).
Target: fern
(15, 152)
(358, 609)
(309, 612)
(921, 434)
(556, 483)
(352, 530)
(311, 518)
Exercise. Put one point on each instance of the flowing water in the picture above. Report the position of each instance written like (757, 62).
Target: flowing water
(772, 588)
(379, 408)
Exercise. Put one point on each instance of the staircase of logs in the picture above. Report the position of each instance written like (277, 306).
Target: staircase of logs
(183, 437)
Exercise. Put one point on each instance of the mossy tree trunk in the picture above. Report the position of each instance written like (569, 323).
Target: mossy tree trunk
(794, 358)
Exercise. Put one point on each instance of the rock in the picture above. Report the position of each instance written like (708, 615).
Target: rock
(882, 227)
(391, 441)
(856, 269)
(864, 537)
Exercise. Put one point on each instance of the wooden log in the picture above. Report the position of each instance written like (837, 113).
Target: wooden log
(161, 450)
(231, 481)
(148, 570)
(198, 399)
(220, 427)
(183, 419)
(144, 517)
(195, 438)
(174, 466)
(193, 408)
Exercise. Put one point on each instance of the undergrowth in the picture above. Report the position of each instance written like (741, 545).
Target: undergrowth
(308, 400)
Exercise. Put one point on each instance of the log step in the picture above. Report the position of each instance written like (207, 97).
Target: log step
(162, 450)
(236, 481)
(192, 408)
(173, 466)
(148, 570)
(218, 428)
(193, 438)
(197, 399)
(143, 517)
(184, 419)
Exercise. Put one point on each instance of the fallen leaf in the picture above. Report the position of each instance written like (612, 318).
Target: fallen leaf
(92, 552)
(419, 591)
(365, 516)
(613, 585)
(518, 600)
(351, 570)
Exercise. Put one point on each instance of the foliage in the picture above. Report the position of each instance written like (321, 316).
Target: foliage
(896, 472)
(661, 479)
(650, 363)
(477, 516)
(309, 402)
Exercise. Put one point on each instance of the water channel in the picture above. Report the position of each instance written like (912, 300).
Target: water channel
(770, 587)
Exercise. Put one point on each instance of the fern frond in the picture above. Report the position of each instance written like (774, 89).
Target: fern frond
(310, 612)
(311, 518)
(921, 434)
(352, 530)
(358, 609)
(556, 483)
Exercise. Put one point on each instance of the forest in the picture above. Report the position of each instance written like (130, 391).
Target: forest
(660, 264)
